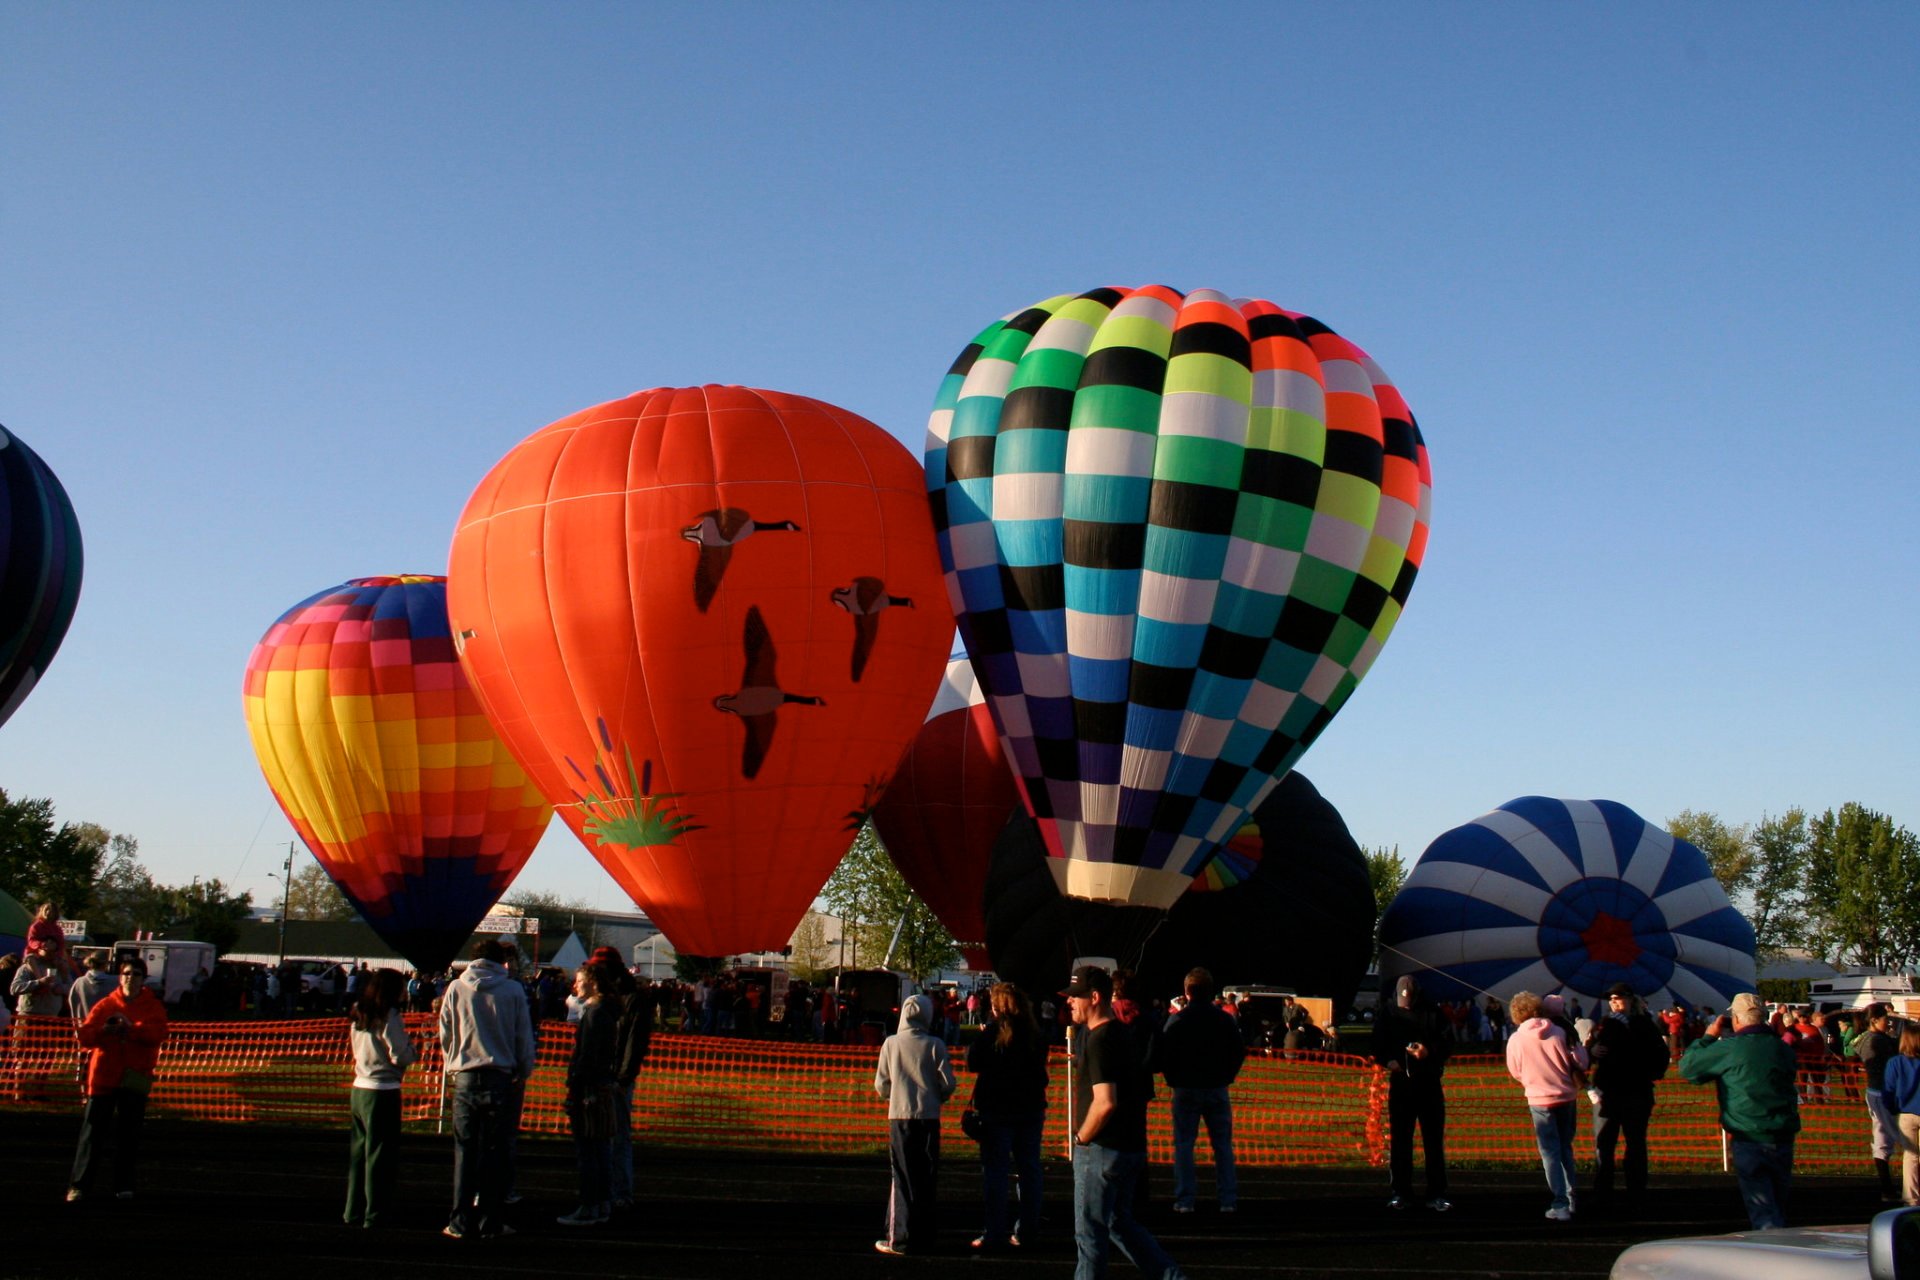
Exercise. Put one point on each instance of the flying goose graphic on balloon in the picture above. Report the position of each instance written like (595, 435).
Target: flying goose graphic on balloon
(717, 533)
(760, 696)
(866, 599)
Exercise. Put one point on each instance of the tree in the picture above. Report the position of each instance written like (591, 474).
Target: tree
(125, 898)
(1388, 872)
(43, 863)
(1777, 891)
(1729, 850)
(873, 899)
(809, 956)
(314, 896)
(1863, 877)
(205, 912)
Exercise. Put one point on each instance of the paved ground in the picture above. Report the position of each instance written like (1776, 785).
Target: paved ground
(235, 1200)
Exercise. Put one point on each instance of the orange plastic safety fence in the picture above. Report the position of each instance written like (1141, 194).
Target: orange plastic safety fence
(704, 1091)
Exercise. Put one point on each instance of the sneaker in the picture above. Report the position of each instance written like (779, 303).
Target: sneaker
(75, 1194)
(123, 1195)
(453, 1232)
(1183, 1208)
(1398, 1202)
(1560, 1215)
(513, 1197)
(887, 1247)
(1229, 1208)
(502, 1230)
(584, 1216)
(1440, 1204)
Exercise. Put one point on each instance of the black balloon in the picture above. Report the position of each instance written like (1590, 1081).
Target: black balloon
(1302, 920)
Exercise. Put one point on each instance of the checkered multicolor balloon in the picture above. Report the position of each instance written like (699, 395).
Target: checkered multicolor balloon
(379, 752)
(1177, 530)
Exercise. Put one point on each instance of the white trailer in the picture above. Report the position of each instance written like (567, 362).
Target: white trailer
(171, 965)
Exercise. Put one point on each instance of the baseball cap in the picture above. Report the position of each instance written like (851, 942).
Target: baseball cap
(1089, 978)
(1747, 1007)
(1620, 989)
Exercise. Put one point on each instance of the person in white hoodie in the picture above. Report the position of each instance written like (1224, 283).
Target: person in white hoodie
(381, 1054)
(1551, 1068)
(486, 1039)
(916, 1078)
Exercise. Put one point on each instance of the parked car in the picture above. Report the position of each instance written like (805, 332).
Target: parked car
(1888, 1248)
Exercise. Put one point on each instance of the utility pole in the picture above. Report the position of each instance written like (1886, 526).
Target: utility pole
(286, 901)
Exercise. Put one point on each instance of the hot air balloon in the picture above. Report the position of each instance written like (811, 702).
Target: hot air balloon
(39, 569)
(14, 923)
(1298, 913)
(383, 760)
(708, 621)
(949, 799)
(1567, 896)
(1176, 531)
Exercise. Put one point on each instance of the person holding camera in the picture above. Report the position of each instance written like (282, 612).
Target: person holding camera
(1752, 1072)
(124, 1032)
(1410, 1043)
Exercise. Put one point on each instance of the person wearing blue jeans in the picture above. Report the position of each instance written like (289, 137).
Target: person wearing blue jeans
(1765, 1174)
(486, 1043)
(1110, 1136)
(1553, 1129)
(482, 1100)
(1549, 1066)
(1752, 1072)
(1200, 1052)
(1191, 1108)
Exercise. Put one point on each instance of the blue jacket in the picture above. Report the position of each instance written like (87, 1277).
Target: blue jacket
(1902, 1087)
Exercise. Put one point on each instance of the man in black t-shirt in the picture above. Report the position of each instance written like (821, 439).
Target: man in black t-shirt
(1111, 1089)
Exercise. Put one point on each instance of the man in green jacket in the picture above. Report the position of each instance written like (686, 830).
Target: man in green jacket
(1752, 1069)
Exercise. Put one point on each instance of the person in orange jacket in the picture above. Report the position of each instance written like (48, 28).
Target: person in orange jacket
(124, 1031)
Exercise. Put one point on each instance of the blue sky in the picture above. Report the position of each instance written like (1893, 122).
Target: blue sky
(282, 282)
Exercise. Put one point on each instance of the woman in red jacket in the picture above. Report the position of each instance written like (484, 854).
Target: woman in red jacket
(124, 1031)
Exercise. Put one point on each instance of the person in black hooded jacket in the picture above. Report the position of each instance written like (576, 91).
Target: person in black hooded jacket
(1628, 1054)
(1410, 1043)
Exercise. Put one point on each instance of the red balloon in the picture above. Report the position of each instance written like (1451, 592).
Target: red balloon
(950, 797)
(705, 620)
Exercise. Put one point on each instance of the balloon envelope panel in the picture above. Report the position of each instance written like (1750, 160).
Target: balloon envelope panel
(1568, 896)
(1176, 530)
(382, 758)
(1302, 918)
(946, 806)
(40, 563)
(708, 620)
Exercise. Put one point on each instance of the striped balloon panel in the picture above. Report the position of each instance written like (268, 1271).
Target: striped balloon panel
(383, 760)
(1176, 531)
(1568, 896)
(40, 564)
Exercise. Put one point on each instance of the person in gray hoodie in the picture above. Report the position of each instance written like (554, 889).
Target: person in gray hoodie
(486, 1038)
(916, 1078)
(93, 986)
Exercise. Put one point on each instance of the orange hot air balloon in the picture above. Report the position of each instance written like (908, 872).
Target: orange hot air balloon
(708, 621)
(953, 794)
(383, 760)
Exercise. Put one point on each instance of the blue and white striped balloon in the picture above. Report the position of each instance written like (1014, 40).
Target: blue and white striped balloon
(1568, 896)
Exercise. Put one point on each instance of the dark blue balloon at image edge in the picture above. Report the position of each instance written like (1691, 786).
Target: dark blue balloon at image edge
(40, 562)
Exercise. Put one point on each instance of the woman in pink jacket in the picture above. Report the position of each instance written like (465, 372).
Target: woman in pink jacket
(1551, 1067)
